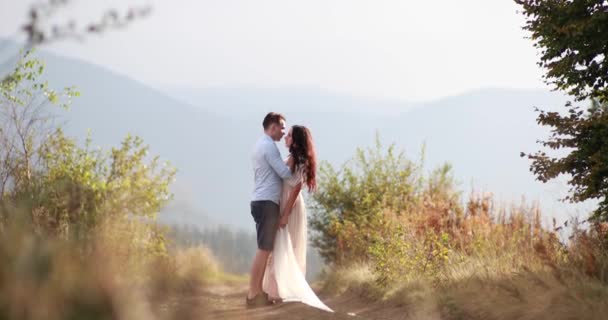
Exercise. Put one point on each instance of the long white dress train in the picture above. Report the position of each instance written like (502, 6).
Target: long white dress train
(286, 268)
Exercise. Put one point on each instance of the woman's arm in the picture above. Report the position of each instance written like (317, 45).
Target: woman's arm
(290, 162)
(291, 201)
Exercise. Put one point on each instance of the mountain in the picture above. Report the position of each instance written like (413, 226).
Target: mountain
(247, 101)
(481, 133)
(208, 133)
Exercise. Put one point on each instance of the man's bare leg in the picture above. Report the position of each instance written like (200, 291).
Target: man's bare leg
(257, 273)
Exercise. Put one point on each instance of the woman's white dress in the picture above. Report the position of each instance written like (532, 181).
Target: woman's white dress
(286, 269)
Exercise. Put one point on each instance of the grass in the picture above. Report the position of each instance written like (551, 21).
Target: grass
(48, 278)
(494, 263)
(481, 295)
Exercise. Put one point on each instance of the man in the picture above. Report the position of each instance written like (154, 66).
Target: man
(269, 172)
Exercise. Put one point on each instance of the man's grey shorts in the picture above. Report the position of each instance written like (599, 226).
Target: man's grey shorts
(266, 216)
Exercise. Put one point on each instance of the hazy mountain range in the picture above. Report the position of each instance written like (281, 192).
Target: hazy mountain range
(207, 133)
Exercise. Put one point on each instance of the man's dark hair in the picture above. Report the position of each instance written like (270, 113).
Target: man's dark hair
(271, 118)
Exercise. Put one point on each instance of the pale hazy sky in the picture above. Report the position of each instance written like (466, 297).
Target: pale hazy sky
(398, 49)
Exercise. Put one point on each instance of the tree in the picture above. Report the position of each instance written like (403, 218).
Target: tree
(585, 133)
(39, 30)
(572, 37)
(573, 40)
(25, 119)
(67, 190)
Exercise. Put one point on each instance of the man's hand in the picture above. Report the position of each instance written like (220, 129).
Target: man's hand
(283, 221)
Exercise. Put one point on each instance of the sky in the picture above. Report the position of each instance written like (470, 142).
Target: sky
(390, 49)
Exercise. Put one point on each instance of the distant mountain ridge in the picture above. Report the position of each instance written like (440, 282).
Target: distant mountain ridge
(208, 133)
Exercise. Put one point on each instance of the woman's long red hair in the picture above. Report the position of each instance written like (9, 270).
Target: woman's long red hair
(303, 152)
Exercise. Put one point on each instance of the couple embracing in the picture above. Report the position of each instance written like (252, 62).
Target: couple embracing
(278, 209)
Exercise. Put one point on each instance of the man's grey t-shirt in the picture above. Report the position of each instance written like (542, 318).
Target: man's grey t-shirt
(269, 171)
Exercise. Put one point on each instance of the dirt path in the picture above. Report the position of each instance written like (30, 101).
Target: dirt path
(227, 302)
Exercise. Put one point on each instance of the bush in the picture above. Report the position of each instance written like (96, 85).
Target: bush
(443, 258)
(70, 192)
(420, 227)
(350, 204)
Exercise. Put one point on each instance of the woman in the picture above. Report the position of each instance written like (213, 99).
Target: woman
(285, 274)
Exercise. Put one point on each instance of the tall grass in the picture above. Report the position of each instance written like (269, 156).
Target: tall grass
(490, 262)
(46, 277)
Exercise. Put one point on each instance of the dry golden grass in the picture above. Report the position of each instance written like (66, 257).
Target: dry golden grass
(44, 277)
(526, 295)
(495, 262)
